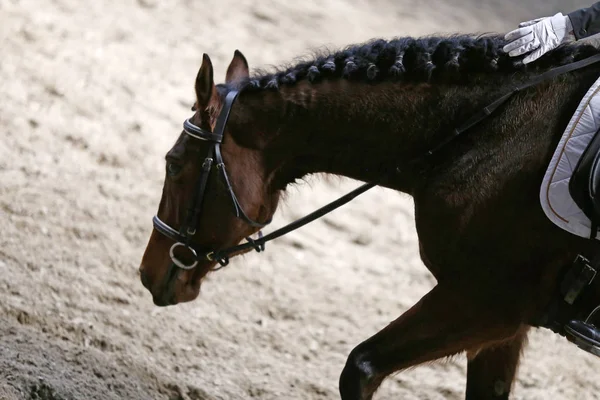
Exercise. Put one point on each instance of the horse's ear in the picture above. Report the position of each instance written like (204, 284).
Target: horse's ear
(238, 68)
(205, 85)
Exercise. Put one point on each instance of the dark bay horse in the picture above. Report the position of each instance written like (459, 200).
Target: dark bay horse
(371, 112)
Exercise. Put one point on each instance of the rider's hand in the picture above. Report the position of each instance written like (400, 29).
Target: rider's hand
(539, 36)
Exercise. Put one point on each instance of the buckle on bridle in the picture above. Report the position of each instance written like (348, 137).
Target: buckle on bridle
(207, 163)
(257, 244)
(582, 275)
(223, 261)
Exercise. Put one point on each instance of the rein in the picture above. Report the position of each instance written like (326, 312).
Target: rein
(183, 236)
(487, 111)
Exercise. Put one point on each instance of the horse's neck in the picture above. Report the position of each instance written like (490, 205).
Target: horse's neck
(358, 130)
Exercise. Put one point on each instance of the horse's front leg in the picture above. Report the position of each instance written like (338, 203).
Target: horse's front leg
(449, 319)
(490, 371)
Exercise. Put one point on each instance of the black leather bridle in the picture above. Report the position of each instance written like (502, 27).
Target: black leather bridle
(183, 236)
(188, 229)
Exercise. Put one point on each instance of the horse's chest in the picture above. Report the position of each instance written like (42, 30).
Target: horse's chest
(451, 235)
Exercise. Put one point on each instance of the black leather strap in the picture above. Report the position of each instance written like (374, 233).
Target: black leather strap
(225, 111)
(222, 256)
(166, 230)
(239, 210)
(198, 199)
(199, 133)
(217, 135)
(487, 111)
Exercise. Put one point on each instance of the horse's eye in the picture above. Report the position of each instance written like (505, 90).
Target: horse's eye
(173, 169)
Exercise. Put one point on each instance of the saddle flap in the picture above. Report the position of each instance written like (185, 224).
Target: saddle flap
(584, 185)
(595, 177)
(595, 183)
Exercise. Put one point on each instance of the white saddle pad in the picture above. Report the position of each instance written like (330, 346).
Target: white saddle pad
(554, 194)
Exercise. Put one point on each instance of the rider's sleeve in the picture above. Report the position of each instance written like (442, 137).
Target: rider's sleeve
(586, 21)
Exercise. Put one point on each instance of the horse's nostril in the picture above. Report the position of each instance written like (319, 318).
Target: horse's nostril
(144, 278)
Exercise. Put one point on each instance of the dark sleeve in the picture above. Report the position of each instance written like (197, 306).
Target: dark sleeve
(586, 21)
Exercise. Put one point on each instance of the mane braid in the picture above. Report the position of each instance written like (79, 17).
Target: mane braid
(442, 59)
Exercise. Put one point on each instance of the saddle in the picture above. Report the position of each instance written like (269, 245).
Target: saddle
(570, 198)
(584, 185)
(570, 190)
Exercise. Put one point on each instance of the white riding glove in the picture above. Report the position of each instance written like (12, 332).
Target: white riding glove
(539, 36)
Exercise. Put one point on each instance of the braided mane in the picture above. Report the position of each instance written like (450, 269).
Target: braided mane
(433, 58)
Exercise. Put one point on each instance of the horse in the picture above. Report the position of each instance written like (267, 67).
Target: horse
(373, 112)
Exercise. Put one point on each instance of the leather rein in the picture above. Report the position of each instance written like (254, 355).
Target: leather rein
(183, 236)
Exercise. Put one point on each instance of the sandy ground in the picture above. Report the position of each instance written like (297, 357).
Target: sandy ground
(92, 96)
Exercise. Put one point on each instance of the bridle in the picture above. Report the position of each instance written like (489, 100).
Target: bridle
(183, 237)
(213, 158)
